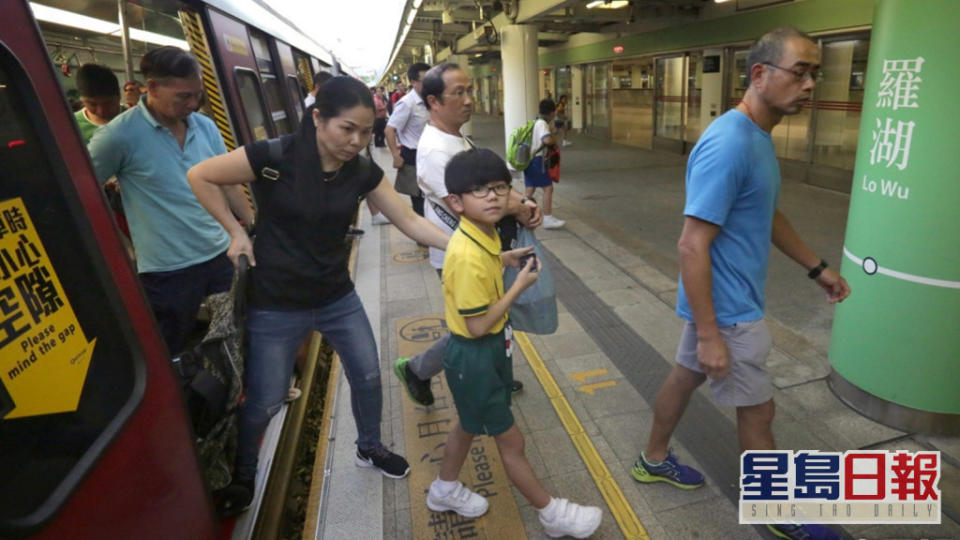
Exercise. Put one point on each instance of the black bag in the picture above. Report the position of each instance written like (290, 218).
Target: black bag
(211, 378)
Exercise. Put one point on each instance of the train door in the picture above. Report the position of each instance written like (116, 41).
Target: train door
(94, 434)
(291, 84)
(241, 76)
(271, 76)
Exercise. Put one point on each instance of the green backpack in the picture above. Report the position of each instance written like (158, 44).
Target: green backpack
(518, 149)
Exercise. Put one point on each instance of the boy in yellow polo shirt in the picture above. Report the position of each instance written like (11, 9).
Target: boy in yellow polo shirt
(477, 359)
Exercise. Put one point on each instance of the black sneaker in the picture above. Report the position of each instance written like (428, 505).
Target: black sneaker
(353, 231)
(516, 386)
(390, 464)
(418, 390)
(235, 498)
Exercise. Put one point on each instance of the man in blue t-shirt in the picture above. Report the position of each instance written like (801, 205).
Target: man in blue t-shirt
(180, 248)
(731, 216)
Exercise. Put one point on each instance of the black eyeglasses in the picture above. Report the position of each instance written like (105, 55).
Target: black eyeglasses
(499, 189)
(800, 76)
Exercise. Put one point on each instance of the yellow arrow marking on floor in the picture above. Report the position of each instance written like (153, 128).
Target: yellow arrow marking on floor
(584, 375)
(589, 388)
(630, 526)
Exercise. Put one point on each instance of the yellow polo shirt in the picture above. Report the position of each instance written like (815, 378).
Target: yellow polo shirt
(472, 277)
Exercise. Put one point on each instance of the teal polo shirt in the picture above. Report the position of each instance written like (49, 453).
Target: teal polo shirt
(170, 229)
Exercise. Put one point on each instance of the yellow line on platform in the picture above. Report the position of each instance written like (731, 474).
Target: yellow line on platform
(626, 518)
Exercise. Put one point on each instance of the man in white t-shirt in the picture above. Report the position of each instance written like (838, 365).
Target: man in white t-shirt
(448, 95)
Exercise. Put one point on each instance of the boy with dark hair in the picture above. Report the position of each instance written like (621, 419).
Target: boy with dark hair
(100, 96)
(536, 175)
(477, 360)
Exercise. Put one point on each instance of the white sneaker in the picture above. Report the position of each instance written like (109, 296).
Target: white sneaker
(571, 519)
(550, 222)
(380, 219)
(566, 143)
(460, 499)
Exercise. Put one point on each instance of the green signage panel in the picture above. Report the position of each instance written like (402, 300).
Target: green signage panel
(897, 337)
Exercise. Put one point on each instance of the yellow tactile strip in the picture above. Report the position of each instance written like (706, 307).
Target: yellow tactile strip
(425, 433)
(619, 507)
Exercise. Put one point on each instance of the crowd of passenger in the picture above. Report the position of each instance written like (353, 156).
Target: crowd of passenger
(189, 223)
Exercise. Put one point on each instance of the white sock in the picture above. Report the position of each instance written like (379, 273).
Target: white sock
(548, 511)
(547, 216)
(443, 487)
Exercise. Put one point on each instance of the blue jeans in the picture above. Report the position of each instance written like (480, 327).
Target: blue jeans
(273, 338)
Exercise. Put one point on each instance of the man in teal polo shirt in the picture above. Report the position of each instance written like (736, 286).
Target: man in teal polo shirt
(180, 248)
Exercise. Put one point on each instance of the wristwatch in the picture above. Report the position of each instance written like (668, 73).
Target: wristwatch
(815, 272)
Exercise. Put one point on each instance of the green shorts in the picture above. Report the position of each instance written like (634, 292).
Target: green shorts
(480, 377)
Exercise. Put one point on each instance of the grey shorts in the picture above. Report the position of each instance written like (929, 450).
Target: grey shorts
(749, 344)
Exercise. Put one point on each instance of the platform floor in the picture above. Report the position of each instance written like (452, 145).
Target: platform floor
(615, 263)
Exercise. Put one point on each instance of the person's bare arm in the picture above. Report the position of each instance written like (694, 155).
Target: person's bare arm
(785, 237)
(693, 249)
(207, 179)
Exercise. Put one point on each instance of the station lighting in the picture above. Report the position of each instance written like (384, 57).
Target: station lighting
(74, 20)
(608, 4)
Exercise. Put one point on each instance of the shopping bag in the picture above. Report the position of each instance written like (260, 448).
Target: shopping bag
(535, 310)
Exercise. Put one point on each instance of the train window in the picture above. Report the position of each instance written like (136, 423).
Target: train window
(71, 370)
(278, 112)
(261, 50)
(252, 103)
(303, 72)
(296, 95)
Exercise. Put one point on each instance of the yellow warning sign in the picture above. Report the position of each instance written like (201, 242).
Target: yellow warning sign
(425, 430)
(44, 355)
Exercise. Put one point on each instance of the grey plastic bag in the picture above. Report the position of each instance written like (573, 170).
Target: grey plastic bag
(535, 310)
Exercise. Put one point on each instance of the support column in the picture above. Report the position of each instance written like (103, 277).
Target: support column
(125, 39)
(711, 94)
(576, 100)
(518, 52)
(895, 341)
(463, 61)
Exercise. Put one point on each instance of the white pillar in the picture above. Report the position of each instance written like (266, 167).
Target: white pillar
(711, 95)
(521, 92)
(575, 103)
(485, 92)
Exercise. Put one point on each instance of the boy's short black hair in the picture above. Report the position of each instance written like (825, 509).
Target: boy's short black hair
(547, 106)
(94, 80)
(474, 168)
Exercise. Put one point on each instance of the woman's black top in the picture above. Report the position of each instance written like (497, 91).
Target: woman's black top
(302, 221)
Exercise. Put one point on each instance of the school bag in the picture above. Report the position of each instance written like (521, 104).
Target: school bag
(518, 149)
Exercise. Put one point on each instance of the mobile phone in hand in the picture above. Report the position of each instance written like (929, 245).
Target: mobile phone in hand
(527, 257)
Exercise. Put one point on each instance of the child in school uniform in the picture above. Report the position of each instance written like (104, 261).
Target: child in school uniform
(477, 362)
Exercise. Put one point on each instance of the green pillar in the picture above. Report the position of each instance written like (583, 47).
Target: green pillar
(895, 349)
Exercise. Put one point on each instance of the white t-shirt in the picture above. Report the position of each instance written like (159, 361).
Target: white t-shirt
(408, 118)
(309, 100)
(435, 150)
(541, 130)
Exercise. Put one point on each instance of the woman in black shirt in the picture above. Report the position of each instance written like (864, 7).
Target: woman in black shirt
(299, 282)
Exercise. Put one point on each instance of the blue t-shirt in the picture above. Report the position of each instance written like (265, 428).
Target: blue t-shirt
(169, 227)
(733, 180)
